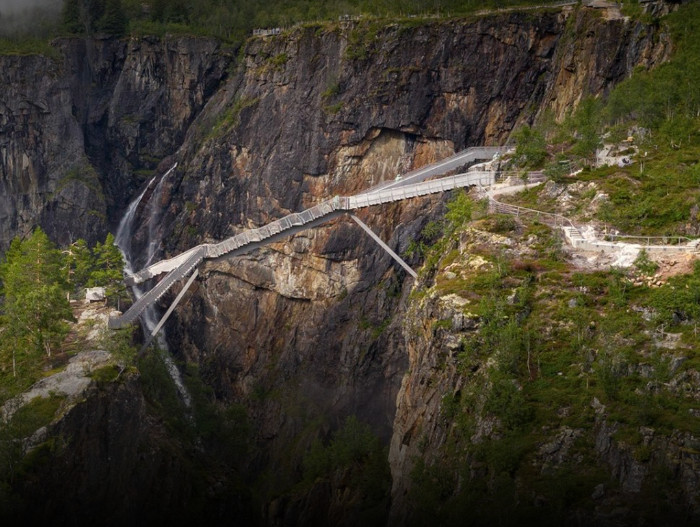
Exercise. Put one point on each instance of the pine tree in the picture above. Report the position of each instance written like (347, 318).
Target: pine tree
(78, 265)
(587, 122)
(93, 11)
(82, 17)
(71, 16)
(114, 21)
(170, 11)
(109, 267)
(35, 308)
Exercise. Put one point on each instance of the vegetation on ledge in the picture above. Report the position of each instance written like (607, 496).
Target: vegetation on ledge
(657, 191)
(37, 281)
(229, 20)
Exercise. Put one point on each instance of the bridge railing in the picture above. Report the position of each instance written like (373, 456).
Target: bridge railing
(420, 189)
(573, 234)
(295, 219)
(157, 291)
(181, 265)
(298, 219)
(161, 267)
(456, 160)
(548, 218)
(649, 240)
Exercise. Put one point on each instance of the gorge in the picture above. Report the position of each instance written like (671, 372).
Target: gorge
(319, 341)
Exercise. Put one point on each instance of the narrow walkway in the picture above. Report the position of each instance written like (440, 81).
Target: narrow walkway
(589, 242)
(407, 186)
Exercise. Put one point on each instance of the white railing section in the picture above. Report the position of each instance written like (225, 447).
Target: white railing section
(573, 235)
(157, 291)
(548, 218)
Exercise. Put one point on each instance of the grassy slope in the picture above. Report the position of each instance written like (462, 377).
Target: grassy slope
(551, 341)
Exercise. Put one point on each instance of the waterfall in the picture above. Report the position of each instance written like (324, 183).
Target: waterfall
(126, 231)
(154, 215)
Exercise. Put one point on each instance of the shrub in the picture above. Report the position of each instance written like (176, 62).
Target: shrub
(531, 147)
(459, 211)
(644, 264)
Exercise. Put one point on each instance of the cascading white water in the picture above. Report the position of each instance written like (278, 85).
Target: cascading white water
(154, 215)
(123, 240)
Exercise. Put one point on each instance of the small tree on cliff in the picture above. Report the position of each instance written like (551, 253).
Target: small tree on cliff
(531, 147)
(78, 265)
(109, 267)
(114, 20)
(587, 122)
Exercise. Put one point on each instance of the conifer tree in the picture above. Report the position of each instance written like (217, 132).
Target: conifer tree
(82, 17)
(114, 20)
(109, 267)
(71, 16)
(35, 309)
(78, 265)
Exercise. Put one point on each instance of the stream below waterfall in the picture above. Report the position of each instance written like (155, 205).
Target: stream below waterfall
(132, 221)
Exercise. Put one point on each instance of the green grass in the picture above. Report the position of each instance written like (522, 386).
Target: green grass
(39, 412)
(362, 40)
(106, 374)
(28, 46)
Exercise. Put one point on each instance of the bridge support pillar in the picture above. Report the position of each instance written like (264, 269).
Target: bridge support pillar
(384, 246)
(169, 311)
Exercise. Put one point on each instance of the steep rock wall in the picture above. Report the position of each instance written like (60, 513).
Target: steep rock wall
(308, 331)
(80, 131)
(113, 459)
(311, 330)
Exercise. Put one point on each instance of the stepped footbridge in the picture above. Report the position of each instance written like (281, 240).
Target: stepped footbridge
(410, 185)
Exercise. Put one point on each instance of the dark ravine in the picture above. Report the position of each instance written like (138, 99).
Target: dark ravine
(312, 330)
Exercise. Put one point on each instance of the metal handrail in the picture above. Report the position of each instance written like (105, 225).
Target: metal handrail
(157, 291)
(526, 210)
(510, 209)
(178, 267)
(649, 238)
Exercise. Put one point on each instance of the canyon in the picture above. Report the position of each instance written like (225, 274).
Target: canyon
(295, 339)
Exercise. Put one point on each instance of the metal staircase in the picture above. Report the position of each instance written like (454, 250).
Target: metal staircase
(409, 186)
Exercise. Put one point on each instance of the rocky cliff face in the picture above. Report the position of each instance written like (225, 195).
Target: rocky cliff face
(497, 425)
(113, 459)
(311, 330)
(83, 129)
